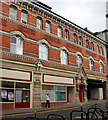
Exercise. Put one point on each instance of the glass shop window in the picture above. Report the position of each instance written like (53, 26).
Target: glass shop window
(7, 91)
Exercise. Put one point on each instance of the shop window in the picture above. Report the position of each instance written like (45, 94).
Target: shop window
(80, 41)
(39, 22)
(56, 93)
(43, 52)
(91, 64)
(101, 67)
(87, 43)
(24, 16)
(13, 12)
(79, 60)
(48, 26)
(66, 34)
(59, 32)
(7, 91)
(63, 57)
(17, 45)
(75, 38)
(92, 46)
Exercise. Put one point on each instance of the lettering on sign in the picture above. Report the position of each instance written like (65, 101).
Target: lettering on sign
(73, 47)
(26, 30)
(2, 22)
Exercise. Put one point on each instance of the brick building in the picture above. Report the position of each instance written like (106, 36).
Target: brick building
(42, 52)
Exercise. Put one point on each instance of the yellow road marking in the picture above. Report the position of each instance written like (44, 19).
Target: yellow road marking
(47, 111)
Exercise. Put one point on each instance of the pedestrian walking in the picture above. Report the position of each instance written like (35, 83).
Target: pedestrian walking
(47, 101)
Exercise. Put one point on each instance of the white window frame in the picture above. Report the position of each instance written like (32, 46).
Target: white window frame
(59, 32)
(48, 26)
(66, 34)
(24, 17)
(101, 67)
(43, 51)
(13, 13)
(17, 47)
(79, 60)
(91, 64)
(63, 55)
(39, 23)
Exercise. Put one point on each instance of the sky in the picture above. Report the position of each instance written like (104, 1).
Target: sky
(84, 13)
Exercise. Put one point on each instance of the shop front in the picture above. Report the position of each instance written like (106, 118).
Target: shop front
(15, 88)
(60, 89)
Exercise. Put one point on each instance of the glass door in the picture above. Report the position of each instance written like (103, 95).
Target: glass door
(22, 99)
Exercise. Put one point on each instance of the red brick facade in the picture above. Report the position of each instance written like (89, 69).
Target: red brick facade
(33, 36)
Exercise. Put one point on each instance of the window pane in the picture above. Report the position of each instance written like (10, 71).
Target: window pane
(47, 87)
(24, 17)
(13, 13)
(6, 95)
(18, 95)
(60, 96)
(7, 84)
(60, 88)
(13, 40)
(51, 95)
(26, 96)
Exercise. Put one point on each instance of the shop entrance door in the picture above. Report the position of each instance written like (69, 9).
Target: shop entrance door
(22, 99)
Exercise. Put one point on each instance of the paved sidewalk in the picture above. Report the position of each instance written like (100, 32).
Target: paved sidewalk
(31, 110)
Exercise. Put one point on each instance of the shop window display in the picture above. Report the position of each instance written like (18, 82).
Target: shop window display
(56, 93)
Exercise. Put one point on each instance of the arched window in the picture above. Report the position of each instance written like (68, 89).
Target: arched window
(75, 38)
(80, 41)
(39, 22)
(63, 57)
(101, 67)
(66, 34)
(92, 46)
(13, 12)
(43, 51)
(98, 49)
(59, 32)
(79, 60)
(48, 26)
(17, 45)
(87, 43)
(91, 64)
(24, 16)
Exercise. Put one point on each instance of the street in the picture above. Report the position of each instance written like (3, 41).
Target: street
(65, 112)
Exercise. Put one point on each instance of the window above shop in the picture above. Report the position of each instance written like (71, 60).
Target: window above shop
(60, 31)
(43, 51)
(79, 60)
(48, 26)
(13, 12)
(66, 34)
(24, 16)
(39, 22)
(63, 55)
(17, 45)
